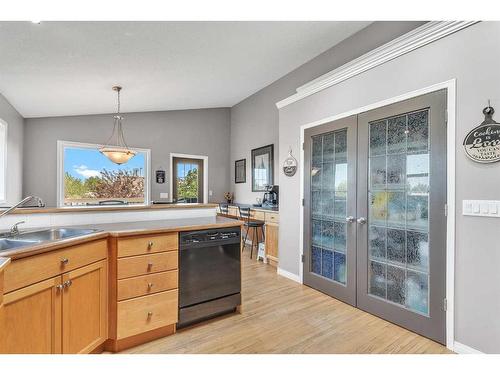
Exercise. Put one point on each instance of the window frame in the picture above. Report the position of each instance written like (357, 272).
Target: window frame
(4, 127)
(62, 145)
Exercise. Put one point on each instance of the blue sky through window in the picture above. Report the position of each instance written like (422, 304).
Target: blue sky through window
(83, 163)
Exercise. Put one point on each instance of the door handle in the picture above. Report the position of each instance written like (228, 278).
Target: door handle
(362, 220)
(350, 219)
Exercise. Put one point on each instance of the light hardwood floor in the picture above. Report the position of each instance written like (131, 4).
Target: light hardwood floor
(281, 316)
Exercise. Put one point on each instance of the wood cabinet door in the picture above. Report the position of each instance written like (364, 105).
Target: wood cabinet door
(84, 308)
(272, 231)
(31, 319)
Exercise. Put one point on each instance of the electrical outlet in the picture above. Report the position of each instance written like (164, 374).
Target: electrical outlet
(210, 193)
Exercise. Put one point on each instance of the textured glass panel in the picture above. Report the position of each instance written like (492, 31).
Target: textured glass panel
(377, 242)
(327, 197)
(396, 284)
(328, 147)
(417, 292)
(327, 234)
(316, 174)
(417, 250)
(378, 208)
(316, 232)
(417, 173)
(396, 209)
(340, 236)
(396, 172)
(316, 203)
(418, 131)
(378, 139)
(341, 146)
(396, 135)
(317, 151)
(378, 173)
(396, 246)
(377, 282)
(316, 260)
(327, 176)
(327, 264)
(341, 176)
(339, 267)
(418, 212)
(340, 207)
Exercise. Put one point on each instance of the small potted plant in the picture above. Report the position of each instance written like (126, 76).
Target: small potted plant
(229, 197)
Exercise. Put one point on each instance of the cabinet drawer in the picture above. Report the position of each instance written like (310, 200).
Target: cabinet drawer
(272, 217)
(146, 264)
(27, 271)
(147, 245)
(146, 313)
(258, 215)
(147, 284)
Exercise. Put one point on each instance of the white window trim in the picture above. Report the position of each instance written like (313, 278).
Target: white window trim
(60, 169)
(205, 172)
(4, 127)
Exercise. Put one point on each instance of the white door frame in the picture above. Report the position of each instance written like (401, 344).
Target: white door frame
(205, 172)
(450, 86)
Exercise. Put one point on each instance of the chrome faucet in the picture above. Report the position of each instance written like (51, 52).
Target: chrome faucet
(25, 200)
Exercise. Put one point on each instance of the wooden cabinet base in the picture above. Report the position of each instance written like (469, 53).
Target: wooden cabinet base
(129, 342)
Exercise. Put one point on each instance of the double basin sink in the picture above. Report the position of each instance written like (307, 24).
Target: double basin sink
(9, 242)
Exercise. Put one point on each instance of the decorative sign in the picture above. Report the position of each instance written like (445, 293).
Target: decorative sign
(482, 144)
(290, 165)
(160, 176)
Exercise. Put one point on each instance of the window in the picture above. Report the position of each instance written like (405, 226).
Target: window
(3, 157)
(88, 178)
(188, 180)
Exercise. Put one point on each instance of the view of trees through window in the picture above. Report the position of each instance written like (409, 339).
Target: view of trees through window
(187, 182)
(90, 178)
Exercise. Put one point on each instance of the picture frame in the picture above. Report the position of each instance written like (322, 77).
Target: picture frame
(240, 171)
(262, 167)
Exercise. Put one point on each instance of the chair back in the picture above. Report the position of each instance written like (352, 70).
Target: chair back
(245, 213)
(224, 208)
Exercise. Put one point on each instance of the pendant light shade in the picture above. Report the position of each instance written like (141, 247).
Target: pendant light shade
(116, 148)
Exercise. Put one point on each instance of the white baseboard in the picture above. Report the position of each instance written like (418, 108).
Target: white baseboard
(289, 275)
(464, 349)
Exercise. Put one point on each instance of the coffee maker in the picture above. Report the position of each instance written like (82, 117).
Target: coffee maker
(271, 197)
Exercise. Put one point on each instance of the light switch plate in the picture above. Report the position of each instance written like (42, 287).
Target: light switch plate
(481, 208)
(164, 195)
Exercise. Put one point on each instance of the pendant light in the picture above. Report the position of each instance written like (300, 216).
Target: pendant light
(117, 151)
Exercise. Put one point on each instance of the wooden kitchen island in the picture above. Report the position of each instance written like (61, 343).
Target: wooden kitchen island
(112, 289)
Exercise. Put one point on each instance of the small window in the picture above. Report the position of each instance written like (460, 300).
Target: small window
(188, 180)
(3, 157)
(88, 178)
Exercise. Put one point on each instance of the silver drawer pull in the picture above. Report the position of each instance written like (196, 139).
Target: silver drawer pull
(150, 245)
(64, 261)
(60, 287)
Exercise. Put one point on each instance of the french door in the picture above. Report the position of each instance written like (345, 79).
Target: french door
(375, 225)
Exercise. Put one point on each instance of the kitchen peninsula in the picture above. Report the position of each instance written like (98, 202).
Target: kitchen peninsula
(105, 286)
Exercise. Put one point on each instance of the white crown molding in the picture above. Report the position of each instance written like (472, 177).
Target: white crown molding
(460, 348)
(408, 42)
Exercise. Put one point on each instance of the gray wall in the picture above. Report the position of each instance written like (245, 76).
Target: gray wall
(198, 132)
(254, 121)
(469, 57)
(15, 127)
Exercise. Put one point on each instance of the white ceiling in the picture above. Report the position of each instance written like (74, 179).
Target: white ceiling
(68, 68)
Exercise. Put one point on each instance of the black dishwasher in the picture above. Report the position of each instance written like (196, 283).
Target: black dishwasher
(209, 274)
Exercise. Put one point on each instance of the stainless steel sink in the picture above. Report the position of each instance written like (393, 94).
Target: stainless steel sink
(41, 236)
(54, 234)
(7, 243)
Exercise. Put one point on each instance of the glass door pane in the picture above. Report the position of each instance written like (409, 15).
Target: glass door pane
(398, 191)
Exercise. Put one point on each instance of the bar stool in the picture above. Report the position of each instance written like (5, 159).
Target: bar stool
(255, 225)
(224, 208)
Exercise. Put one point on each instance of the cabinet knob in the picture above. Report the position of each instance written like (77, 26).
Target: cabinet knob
(150, 245)
(67, 284)
(150, 314)
(64, 261)
(60, 287)
(150, 286)
(150, 265)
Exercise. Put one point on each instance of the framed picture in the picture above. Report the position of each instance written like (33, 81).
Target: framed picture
(262, 167)
(240, 171)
